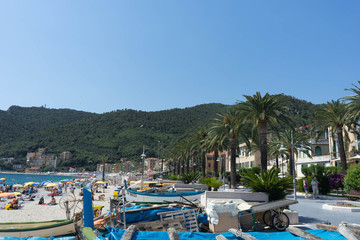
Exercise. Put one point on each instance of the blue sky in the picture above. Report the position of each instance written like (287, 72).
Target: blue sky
(150, 55)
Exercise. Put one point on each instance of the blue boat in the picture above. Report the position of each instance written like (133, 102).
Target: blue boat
(161, 197)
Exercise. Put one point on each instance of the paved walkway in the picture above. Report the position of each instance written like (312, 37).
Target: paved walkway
(311, 212)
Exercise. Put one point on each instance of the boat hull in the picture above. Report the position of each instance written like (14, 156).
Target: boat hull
(133, 196)
(38, 229)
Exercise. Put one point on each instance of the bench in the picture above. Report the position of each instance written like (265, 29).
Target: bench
(353, 194)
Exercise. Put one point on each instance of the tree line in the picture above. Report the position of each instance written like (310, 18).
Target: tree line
(252, 120)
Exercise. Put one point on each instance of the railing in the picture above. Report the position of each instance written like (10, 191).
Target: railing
(319, 141)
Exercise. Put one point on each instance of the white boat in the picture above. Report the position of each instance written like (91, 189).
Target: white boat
(162, 197)
(39, 229)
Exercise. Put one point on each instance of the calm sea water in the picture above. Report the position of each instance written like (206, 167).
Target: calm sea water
(22, 178)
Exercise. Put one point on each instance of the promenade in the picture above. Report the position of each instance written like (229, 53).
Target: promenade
(311, 212)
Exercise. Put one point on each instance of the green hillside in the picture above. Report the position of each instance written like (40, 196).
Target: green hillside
(115, 135)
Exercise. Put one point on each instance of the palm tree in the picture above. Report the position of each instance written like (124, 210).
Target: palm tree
(261, 111)
(354, 102)
(230, 126)
(217, 141)
(103, 159)
(200, 141)
(336, 115)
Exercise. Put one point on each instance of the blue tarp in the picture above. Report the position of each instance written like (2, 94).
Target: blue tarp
(145, 215)
(116, 234)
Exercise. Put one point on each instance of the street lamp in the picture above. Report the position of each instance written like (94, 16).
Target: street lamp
(282, 148)
(142, 166)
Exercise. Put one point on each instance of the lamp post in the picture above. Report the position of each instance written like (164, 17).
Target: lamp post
(292, 161)
(142, 167)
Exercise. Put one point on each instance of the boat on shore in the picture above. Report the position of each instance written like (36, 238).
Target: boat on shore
(161, 197)
(40, 229)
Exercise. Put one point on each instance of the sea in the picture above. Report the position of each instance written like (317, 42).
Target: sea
(12, 178)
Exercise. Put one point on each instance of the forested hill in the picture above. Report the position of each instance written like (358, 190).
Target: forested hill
(115, 135)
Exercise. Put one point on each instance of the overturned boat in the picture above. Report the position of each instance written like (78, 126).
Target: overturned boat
(39, 229)
(156, 197)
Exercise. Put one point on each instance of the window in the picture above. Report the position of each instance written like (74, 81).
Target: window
(318, 151)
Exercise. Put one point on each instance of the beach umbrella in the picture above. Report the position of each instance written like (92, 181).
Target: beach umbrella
(17, 185)
(17, 193)
(28, 184)
(6, 194)
(100, 182)
(52, 185)
(2, 179)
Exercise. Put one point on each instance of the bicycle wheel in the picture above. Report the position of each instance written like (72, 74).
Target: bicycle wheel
(280, 221)
(267, 218)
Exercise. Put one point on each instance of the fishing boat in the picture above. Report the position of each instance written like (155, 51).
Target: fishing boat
(40, 229)
(161, 197)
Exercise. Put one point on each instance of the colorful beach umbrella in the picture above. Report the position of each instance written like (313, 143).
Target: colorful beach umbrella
(52, 185)
(17, 193)
(100, 182)
(6, 194)
(29, 184)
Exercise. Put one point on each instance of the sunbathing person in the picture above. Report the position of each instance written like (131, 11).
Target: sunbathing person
(14, 204)
(41, 201)
(52, 201)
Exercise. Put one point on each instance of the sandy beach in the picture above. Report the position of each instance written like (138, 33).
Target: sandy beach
(31, 211)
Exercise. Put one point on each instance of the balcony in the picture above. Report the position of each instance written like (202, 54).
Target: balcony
(319, 141)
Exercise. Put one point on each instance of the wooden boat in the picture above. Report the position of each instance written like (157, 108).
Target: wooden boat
(161, 197)
(39, 229)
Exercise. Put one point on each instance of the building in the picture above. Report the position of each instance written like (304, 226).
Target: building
(247, 158)
(154, 164)
(127, 166)
(64, 156)
(35, 160)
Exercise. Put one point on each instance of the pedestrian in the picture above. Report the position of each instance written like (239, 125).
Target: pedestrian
(72, 189)
(306, 186)
(315, 188)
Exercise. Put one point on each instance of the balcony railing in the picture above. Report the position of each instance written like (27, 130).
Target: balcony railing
(319, 141)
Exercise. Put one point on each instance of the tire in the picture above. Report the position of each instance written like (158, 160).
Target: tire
(280, 221)
(267, 218)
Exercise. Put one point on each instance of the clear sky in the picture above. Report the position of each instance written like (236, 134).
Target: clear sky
(100, 56)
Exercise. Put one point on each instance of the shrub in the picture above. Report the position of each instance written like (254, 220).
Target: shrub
(352, 178)
(189, 177)
(210, 173)
(268, 182)
(211, 182)
(319, 171)
(255, 170)
(336, 181)
(306, 171)
(173, 178)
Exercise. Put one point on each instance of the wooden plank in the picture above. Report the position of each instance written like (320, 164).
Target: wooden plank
(129, 232)
(239, 233)
(301, 233)
(343, 230)
(173, 235)
(220, 237)
(272, 205)
(335, 228)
